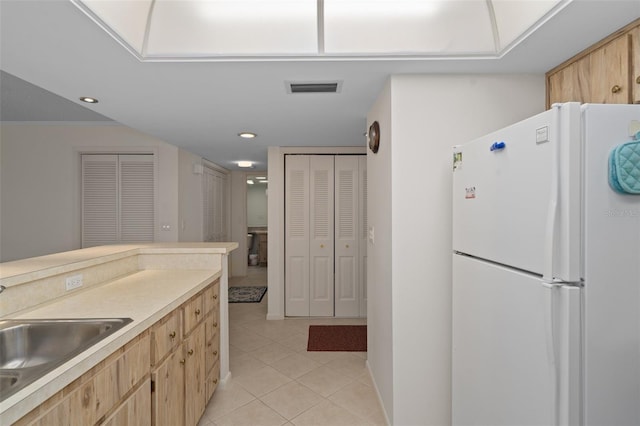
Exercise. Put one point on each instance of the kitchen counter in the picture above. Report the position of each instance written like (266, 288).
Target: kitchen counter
(167, 276)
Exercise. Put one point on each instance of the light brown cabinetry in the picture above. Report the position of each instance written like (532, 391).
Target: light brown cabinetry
(180, 380)
(101, 393)
(164, 376)
(607, 72)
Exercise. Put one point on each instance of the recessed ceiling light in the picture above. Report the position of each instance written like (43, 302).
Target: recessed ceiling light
(88, 100)
(249, 181)
(247, 135)
(245, 164)
(261, 177)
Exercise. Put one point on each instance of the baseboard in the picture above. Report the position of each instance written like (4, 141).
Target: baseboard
(274, 317)
(225, 381)
(375, 386)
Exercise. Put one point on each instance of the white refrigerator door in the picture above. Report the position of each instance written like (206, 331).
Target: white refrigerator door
(510, 204)
(514, 347)
(612, 276)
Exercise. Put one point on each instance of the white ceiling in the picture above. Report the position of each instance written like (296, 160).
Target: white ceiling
(201, 106)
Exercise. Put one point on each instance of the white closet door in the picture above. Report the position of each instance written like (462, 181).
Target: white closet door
(321, 239)
(99, 200)
(347, 236)
(215, 203)
(137, 204)
(363, 230)
(297, 235)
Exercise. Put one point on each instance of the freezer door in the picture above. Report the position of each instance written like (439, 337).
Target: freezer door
(516, 345)
(516, 195)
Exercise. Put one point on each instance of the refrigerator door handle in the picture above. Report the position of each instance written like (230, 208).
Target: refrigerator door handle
(552, 346)
(563, 335)
(551, 230)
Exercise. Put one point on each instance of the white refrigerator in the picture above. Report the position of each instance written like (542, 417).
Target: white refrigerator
(546, 271)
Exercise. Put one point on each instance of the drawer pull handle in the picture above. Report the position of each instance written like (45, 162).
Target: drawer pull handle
(215, 381)
(215, 324)
(197, 311)
(215, 296)
(209, 344)
(182, 361)
(616, 89)
(215, 353)
(638, 79)
(172, 334)
(190, 352)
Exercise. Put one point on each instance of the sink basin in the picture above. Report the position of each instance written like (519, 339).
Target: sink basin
(31, 348)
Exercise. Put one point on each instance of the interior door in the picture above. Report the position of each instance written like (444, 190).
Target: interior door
(296, 281)
(347, 262)
(321, 250)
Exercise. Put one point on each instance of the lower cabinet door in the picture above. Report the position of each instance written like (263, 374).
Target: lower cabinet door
(194, 381)
(167, 402)
(135, 410)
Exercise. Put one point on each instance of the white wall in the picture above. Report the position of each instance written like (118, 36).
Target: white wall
(40, 183)
(238, 200)
(421, 118)
(379, 294)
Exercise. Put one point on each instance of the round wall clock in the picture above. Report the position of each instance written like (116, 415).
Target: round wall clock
(374, 137)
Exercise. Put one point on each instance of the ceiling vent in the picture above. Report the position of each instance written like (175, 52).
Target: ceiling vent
(315, 87)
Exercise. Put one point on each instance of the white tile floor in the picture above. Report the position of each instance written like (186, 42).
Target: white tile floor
(275, 381)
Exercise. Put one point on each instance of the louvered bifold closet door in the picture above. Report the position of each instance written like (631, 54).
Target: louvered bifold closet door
(347, 236)
(321, 238)
(137, 203)
(363, 230)
(99, 200)
(297, 235)
(118, 199)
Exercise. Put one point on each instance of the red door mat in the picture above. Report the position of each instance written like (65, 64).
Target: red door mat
(337, 338)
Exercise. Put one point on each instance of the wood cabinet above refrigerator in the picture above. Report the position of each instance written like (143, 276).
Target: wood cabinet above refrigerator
(607, 72)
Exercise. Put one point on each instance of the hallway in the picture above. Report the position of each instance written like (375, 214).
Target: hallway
(275, 381)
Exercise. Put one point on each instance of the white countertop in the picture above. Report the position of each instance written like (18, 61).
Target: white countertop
(19, 271)
(145, 297)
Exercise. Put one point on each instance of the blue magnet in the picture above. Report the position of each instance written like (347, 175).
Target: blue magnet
(497, 146)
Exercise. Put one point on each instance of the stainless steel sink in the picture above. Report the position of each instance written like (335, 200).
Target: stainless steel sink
(31, 348)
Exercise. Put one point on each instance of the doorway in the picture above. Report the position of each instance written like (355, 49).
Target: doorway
(257, 227)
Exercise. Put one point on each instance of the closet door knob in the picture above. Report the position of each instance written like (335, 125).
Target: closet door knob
(638, 79)
(190, 352)
(321, 245)
(347, 246)
(616, 89)
(197, 311)
(172, 334)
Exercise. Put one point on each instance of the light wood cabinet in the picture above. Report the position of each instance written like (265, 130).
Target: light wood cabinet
(100, 392)
(607, 72)
(135, 410)
(167, 402)
(181, 366)
(194, 377)
(164, 376)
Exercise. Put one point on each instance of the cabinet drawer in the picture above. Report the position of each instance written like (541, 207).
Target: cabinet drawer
(211, 326)
(212, 380)
(212, 352)
(166, 335)
(193, 313)
(212, 297)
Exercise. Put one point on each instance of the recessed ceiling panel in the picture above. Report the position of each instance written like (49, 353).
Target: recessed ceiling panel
(232, 27)
(407, 27)
(128, 19)
(226, 29)
(515, 18)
